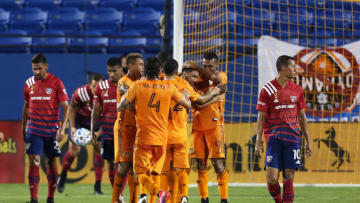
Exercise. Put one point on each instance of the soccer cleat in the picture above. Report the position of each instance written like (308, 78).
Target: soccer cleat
(184, 199)
(61, 182)
(97, 189)
(205, 200)
(223, 201)
(142, 199)
(163, 196)
(121, 199)
(50, 200)
(32, 201)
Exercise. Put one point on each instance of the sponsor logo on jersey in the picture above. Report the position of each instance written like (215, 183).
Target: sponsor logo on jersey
(261, 103)
(48, 90)
(329, 78)
(40, 98)
(290, 106)
(110, 101)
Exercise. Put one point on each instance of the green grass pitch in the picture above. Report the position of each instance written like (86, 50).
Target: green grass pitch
(82, 193)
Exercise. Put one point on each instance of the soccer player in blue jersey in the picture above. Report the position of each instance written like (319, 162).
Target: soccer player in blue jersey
(281, 116)
(42, 130)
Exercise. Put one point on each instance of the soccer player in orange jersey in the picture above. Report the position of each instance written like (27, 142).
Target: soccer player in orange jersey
(177, 147)
(208, 129)
(153, 98)
(125, 131)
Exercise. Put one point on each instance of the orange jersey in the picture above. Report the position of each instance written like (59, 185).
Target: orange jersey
(212, 115)
(152, 103)
(178, 115)
(129, 116)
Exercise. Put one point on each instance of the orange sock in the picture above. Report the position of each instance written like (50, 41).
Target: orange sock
(164, 182)
(183, 183)
(149, 184)
(153, 193)
(143, 190)
(133, 188)
(178, 196)
(223, 184)
(117, 187)
(202, 183)
(173, 185)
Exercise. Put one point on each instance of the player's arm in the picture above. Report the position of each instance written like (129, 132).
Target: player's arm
(72, 117)
(25, 113)
(217, 98)
(259, 149)
(122, 104)
(305, 132)
(204, 73)
(95, 116)
(64, 105)
(212, 93)
(122, 88)
(181, 98)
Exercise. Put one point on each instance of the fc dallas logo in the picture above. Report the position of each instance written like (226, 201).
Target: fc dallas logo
(329, 78)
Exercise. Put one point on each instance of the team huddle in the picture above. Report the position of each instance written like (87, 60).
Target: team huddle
(137, 119)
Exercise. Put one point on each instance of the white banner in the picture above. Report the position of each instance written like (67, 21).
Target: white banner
(329, 76)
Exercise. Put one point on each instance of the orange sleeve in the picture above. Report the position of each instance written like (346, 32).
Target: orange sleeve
(175, 94)
(131, 94)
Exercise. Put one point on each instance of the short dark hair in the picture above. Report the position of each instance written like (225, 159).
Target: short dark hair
(114, 61)
(152, 67)
(170, 66)
(209, 55)
(163, 56)
(283, 60)
(39, 58)
(131, 58)
(96, 77)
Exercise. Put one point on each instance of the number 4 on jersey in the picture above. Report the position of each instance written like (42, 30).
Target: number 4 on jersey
(154, 105)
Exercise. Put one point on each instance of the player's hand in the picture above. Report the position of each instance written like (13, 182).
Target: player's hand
(123, 89)
(60, 134)
(94, 138)
(223, 88)
(259, 149)
(308, 149)
(186, 94)
(1, 136)
(73, 131)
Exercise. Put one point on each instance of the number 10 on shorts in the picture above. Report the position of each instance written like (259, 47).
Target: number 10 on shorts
(296, 153)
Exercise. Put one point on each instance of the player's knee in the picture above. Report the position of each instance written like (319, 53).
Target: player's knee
(34, 160)
(200, 164)
(288, 174)
(74, 149)
(50, 162)
(219, 165)
(123, 168)
(272, 178)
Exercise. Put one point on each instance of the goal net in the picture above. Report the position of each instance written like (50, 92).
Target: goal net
(248, 36)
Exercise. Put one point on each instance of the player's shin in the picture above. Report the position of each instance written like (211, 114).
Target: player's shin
(202, 183)
(183, 183)
(67, 161)
(52, 175)
(275, 191)
(118, 184)
(34, 179)
(222, 180)
(148, 183)
(173, 185)
(133, 188)
(288, 193)
(164, 184)
(156, 180)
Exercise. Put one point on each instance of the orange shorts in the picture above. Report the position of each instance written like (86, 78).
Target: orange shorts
(178, 154)
(209, 143)
(126, 141)
(148, 158)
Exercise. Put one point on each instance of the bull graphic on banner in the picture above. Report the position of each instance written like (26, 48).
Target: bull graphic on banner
(339, 152)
